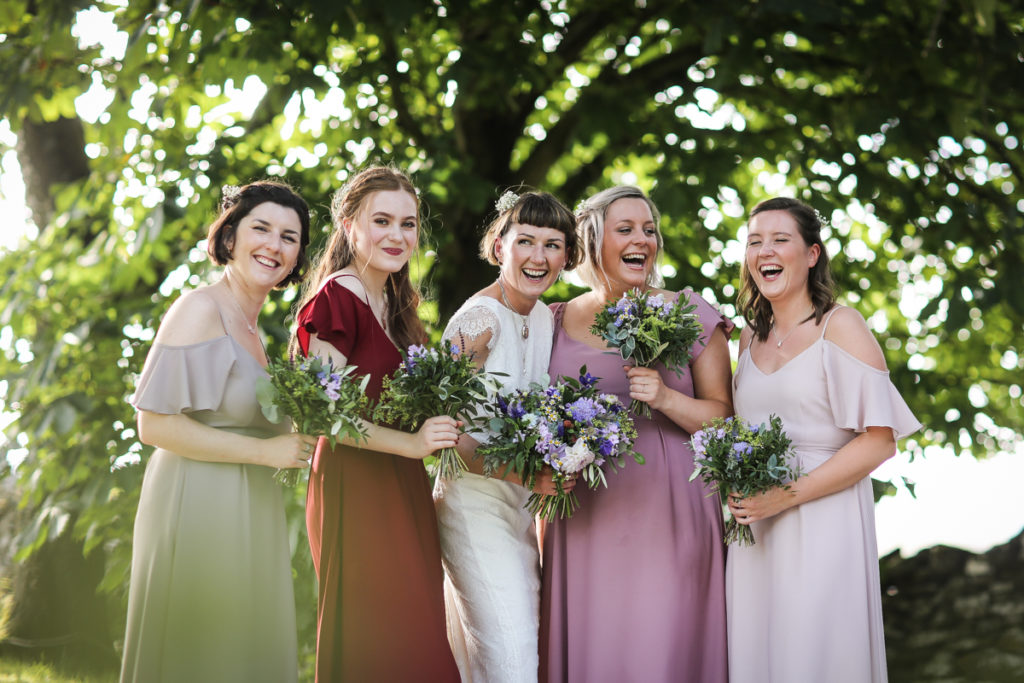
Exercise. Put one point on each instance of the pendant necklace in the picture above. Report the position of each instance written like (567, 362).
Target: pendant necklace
(774, 332)
(248, 325)
(525, 318)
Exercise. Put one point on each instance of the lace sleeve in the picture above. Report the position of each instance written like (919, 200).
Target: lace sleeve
(474, 331)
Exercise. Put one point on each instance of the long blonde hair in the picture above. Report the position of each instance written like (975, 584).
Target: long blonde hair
(403, 298)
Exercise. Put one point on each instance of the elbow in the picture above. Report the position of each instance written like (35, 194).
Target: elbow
(144, 421)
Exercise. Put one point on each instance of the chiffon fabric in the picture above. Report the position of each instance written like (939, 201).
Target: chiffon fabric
(372, 529)
(633, 583)
(210, 597)
(488, 539)
(804, 602)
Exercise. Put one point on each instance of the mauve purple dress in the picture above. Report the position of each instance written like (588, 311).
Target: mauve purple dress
(634, 583)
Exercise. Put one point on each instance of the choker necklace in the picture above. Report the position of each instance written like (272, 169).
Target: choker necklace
(526, 318)
(774, 332)
(252, 330)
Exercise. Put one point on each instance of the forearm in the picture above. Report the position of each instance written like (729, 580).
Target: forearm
(851, 463)
(692, 413)
(385, 440)
(192, 439)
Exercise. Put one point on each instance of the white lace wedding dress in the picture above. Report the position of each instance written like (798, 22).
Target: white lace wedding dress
(488, 540)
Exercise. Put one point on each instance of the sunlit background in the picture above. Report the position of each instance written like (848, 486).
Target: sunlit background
(959, 501)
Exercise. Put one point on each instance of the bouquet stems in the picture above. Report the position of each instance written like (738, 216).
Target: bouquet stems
(449, 464)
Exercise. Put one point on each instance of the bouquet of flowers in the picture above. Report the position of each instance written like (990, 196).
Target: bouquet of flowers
(742, 458)
(320, 400)
(568, 426)
(433, 380)
(647, 329)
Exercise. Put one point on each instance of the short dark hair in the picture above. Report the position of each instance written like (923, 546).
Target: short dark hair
(539, 209)
(238, 202)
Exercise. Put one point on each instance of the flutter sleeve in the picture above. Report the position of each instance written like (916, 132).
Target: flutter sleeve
(182, 379)
(710, 320)
(862, 396)
(331, 315)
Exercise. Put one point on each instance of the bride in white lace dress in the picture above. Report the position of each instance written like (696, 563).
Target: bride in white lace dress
(488, 539)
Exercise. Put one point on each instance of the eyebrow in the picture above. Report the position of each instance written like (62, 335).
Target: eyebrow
(387, 214)
(560, 238)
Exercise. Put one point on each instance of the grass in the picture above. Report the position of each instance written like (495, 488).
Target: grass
(13, 671)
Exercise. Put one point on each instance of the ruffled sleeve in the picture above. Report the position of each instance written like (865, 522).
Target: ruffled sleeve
(862, 396)
(182, 379)
(710, 319)
(331, 315)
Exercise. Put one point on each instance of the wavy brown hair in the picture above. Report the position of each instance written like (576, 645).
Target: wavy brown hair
(539, 209)
(755, 308)
(403, 299)
(238, 202)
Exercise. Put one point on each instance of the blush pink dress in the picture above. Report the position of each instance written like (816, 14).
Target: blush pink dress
(804, 601)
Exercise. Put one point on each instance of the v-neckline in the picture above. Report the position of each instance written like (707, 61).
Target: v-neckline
(750, 357)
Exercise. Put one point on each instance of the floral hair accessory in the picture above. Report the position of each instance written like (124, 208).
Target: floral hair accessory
(229, 194)
(506, 201)
(581, 207)
(821, 219)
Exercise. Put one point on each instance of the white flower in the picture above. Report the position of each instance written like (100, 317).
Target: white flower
(506, 201)
(577, 457)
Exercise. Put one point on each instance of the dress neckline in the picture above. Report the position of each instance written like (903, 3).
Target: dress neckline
(782, 367)
(213, 340)
(367, 306)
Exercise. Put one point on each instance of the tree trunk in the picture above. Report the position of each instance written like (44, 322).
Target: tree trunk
(51, 607)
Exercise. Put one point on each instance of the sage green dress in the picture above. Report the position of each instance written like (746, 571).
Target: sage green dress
(211, 590)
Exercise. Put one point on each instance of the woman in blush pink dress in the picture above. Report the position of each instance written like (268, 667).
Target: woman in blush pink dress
(804, 602)
(633, 583)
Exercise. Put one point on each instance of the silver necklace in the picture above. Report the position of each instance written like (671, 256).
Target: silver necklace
(774, 332)
(248, 325)
(525, 318)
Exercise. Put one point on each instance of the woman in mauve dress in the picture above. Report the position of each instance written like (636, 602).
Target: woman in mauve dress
(369, 511)
(211, 597)
(633, 583)
(804, 601)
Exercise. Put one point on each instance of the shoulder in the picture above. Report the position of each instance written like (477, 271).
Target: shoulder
(193, 318)
(746, 336)
(347, 282)
(848, 330)
(476, 316)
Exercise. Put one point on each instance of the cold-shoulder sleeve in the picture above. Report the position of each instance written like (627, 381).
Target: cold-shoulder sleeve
(710, 320)
(862, 396)
(331, 315)
(182, 379)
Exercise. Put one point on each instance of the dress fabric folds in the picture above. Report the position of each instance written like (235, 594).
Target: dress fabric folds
(211, 596)
(804, 602)
(633, 583)
(488, 539)
(372, 529)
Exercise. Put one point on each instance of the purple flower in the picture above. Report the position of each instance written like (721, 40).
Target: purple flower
(588, 380)
(740, 449)
(516, 409)
(332, 393)
(606, 447)
(583, 409)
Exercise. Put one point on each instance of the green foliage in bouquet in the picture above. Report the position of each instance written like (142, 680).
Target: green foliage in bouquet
(647, 328)
(745, 459)
(433, 380)
(319, 399)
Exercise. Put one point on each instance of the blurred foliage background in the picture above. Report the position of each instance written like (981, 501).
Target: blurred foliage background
(900, 122)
